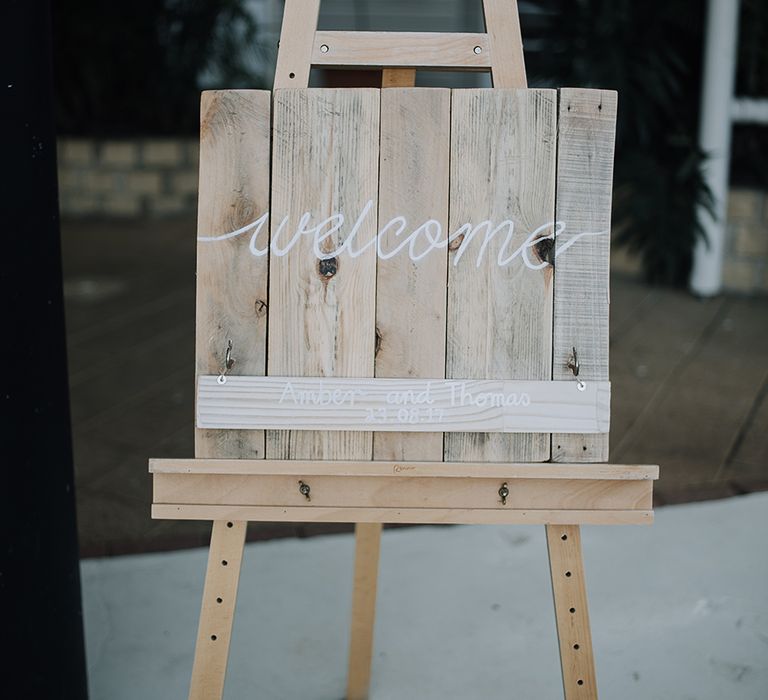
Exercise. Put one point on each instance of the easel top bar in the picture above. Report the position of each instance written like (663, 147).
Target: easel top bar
(424, 50)
(499, 50)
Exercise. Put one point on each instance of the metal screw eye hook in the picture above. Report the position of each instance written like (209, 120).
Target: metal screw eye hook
(229, 362)
(573, 363)
(574, 366)
(503, 493)
(304, 490)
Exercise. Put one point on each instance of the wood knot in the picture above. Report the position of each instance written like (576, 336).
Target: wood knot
(455, 244)
(327, 268)
(260, 307)
(545, 250)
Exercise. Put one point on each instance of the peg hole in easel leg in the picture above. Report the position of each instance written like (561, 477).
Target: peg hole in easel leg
(224, 562)
(291, 75)
(230, 524)
(572, 610)
(576, 647)
(219, 600)
(567, 574)
(213, 637)
(579, 682)
(564, 538)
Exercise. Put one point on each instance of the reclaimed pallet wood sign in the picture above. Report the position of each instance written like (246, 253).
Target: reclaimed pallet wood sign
(402, 317)
(404, 276)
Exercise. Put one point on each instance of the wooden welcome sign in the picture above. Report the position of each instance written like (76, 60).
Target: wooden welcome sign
(402, 316)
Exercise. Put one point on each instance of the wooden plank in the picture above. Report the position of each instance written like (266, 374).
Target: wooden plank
(722, 377)
(667, 331)
(322, 313)
(402, 515)
(587, 126)
(423, 50)
(500, 316)
(218, 609)
(502, 23)
(406, 469)
(410, 405)
(571, 612)
(231, 306)
(231, 284)
(367, 548)
(413, 183)
(295, 46)
(402, 492)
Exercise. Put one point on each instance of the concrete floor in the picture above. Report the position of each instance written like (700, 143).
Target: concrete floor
(690, 383)
(679, 612)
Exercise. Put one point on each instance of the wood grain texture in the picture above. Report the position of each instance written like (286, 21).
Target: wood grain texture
(434, 516)
(581, 301)
(218, 609)
(412, 141)
(482, 470)
(429, 50)
(394, 491)
(500, 318)
(571, 611)
(408, 405)
(410, 296)
(364, 585)
(322, 316)
(295, 48)
(502, 23)
(231, 283)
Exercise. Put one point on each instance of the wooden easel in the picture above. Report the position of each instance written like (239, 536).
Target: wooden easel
(415, 477)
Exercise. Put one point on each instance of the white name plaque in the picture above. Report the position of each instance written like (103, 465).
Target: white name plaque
(403, 405)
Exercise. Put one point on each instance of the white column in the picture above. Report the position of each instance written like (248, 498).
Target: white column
(721, 42)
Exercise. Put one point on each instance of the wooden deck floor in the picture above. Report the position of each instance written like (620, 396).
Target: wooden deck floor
(690, 383)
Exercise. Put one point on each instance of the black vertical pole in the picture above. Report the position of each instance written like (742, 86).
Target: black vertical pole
(41, 615)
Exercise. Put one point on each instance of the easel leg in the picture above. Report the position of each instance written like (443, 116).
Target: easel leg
(218, 609)
(570, 594)
(367, 545)
(368, 537)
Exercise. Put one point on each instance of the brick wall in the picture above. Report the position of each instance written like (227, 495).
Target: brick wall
(127, 178)
(746, 253)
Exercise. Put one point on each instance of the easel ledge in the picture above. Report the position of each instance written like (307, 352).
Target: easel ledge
(402, 492)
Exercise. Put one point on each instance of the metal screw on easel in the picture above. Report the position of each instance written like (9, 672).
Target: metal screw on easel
(304, 490)
(504, 493)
